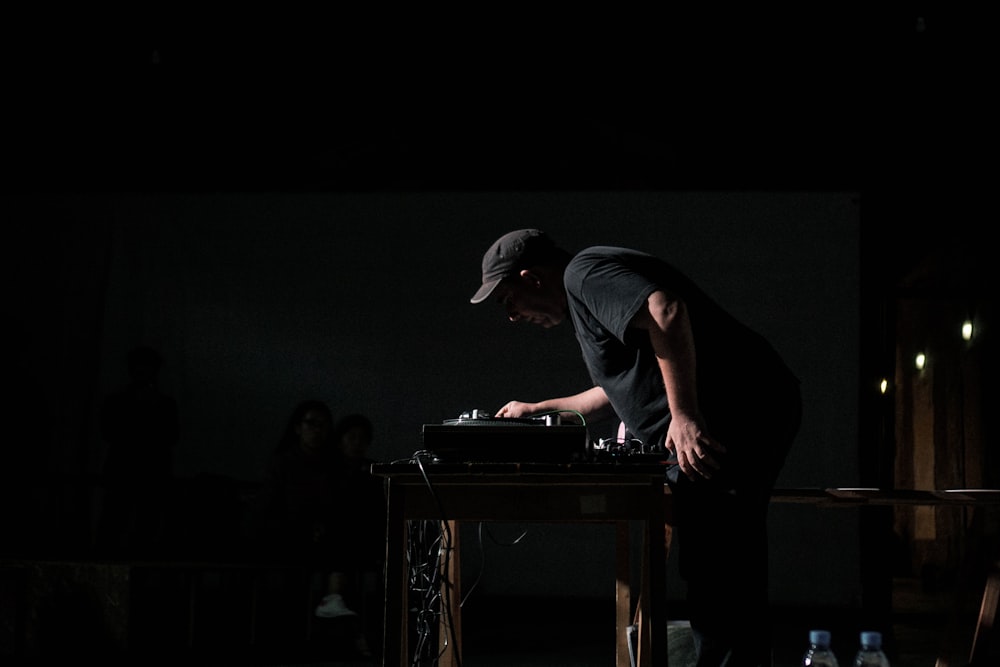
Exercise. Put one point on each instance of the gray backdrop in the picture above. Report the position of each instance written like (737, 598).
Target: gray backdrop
(260, 300)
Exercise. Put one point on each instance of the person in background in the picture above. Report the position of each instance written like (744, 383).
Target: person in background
(364, 494)
(685, 377)
(311, 512)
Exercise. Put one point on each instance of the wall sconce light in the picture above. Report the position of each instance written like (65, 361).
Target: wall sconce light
(967, 330)
(920, 361)
(883, 386)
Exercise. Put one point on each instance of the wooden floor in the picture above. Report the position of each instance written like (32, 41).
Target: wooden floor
(931, 629)
(928, 631)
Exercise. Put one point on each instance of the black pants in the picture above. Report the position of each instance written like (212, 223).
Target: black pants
(720, 526)
(722, 545)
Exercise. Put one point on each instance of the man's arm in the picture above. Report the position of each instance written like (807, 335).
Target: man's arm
(665, 319)
(592, 404)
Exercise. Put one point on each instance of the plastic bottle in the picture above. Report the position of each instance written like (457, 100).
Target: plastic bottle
(870, 653)
(819, 653)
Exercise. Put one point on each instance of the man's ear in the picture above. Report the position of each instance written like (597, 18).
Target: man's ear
(530, 278)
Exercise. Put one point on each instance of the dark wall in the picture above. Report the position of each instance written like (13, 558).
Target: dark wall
(286, 214)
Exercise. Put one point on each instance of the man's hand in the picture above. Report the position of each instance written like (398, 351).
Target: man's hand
(515, 409)
(693, 447)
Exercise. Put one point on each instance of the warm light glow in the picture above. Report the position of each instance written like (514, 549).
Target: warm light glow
(883, 386)
(921, 361)
(967, 330)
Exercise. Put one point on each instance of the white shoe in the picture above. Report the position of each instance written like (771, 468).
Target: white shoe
(332, 606)
(361, 646)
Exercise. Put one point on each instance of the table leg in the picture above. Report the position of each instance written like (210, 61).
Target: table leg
(653, 596)
(623, 592)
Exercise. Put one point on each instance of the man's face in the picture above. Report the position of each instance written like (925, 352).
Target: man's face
(313, 430)
(354, 443)
(526, 298)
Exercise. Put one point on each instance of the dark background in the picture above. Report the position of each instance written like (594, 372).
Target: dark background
(312, 194)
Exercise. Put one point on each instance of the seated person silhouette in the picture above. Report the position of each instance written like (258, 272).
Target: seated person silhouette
(321, 505)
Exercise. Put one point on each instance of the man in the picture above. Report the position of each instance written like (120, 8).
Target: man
(683, 375)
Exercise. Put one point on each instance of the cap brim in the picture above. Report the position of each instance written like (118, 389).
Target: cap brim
(484, 292)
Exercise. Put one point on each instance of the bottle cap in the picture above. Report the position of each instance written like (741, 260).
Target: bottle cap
(871, 639)
(819, 637)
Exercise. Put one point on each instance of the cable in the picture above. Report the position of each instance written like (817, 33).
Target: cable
(428, 555)
(482, 556)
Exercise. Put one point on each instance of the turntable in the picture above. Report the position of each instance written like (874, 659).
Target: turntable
(478, 436)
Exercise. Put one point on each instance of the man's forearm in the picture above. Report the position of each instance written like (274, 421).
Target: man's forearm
(592, 404)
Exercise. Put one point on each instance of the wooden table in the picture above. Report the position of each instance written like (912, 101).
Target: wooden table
(450, 493)
(860, 497)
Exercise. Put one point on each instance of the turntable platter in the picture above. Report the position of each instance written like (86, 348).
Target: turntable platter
(478, 436)
(490, 421)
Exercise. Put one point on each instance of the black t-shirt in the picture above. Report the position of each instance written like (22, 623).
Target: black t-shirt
(739, 374)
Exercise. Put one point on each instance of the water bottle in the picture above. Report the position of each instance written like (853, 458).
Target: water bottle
(870, 654)
(819, 653)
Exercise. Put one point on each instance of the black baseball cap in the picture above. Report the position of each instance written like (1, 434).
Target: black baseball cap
(508, 255)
